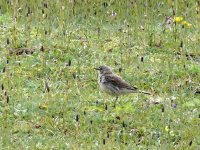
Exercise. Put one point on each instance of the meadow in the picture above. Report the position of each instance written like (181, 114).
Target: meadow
(50, 98)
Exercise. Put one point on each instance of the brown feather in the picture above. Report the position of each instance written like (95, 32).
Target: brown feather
(119, 82)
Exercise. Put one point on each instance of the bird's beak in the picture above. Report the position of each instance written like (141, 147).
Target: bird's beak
(96, 68)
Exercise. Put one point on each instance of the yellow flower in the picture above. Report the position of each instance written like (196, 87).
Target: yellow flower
(188, 24)
(43, 106)
(178, 19)
(184, 22)
(167, 128)
(171, 133)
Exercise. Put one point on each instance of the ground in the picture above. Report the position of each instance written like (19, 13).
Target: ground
(50, 98)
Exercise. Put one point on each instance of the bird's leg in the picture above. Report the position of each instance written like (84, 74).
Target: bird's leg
(115, 102)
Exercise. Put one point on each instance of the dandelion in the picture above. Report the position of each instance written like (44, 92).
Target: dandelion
(181, 21)
(43, 106)
(178, 19)
(167, 128)
(185, 23)
(171, 133)
(188, 24)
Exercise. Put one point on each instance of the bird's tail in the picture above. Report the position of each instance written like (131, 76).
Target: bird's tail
(144, 92)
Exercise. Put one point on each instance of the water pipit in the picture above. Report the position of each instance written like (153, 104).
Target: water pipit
(114, 85)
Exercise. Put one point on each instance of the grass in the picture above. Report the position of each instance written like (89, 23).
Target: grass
(50, 98)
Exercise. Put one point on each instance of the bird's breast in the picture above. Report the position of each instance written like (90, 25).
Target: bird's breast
(101, 82)
(101, 79)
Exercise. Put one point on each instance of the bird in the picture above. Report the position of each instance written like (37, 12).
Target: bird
(113, 84)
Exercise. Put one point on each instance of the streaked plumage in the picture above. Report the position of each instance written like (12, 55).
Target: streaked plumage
(113, 84)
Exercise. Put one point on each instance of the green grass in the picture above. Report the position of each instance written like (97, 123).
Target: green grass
(50, 98)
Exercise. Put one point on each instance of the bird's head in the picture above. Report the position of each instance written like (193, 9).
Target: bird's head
(104, 70)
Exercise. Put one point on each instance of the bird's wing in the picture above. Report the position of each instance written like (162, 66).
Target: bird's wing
(118, 82)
